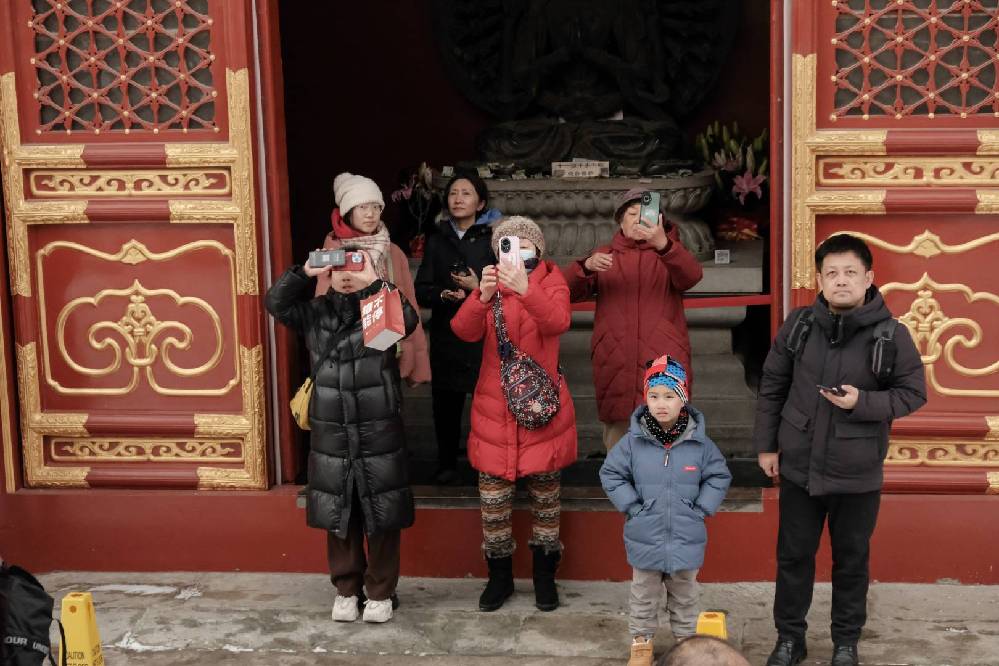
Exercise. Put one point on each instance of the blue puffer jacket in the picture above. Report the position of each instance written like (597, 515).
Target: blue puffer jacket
(666, 504)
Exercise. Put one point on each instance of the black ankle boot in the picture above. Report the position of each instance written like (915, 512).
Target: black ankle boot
(845, 654)
(500, 585)
(787, 652)
(545, 592)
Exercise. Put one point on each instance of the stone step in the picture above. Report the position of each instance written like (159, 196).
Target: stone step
(589, 445)
(730, 437)
(718, 411)
(714, 376)
(723, 374)
(702, 340)
(718, 374)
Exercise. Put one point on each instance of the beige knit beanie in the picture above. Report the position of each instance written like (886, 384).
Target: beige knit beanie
(522, 227)
(350, 191)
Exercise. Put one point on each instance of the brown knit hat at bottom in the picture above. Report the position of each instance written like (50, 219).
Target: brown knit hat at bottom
(522, 227)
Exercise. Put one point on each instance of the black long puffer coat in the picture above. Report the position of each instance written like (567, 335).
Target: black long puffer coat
(454, 363)
(357, 442)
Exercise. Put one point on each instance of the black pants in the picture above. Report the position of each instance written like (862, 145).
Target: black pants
(449, 406)
(851, 523)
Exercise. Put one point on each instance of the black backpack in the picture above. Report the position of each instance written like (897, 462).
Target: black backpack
(882, 356)
(25, 617)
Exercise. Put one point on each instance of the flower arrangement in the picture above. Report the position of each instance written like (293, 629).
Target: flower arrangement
(418, 192)
(421, 203)
(740, 163)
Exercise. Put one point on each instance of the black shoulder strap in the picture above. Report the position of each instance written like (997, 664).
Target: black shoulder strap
(63, 648)
(883, 353)
(799, 332)
(334, 340)
(885, 329)
(499, 321)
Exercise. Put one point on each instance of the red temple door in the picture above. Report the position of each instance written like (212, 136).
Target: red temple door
(133, 245)
(894, 138)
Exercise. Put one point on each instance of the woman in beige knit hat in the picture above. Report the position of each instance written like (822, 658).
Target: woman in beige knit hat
(534, 301)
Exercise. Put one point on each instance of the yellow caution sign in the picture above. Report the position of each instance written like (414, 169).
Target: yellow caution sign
(83, 641)
(712, 623)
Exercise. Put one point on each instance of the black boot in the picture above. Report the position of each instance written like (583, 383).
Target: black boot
(845, 654)
(500, 585)
(787, 652)
(545, 592)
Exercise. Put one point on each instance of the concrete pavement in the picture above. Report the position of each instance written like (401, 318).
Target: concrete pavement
(184, 619)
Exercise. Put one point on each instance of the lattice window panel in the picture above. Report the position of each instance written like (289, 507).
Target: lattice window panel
(130, 65)
(925, 58)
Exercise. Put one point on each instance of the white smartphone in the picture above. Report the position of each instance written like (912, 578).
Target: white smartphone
(509, 251)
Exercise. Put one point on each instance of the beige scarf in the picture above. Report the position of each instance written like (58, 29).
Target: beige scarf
(376, 245)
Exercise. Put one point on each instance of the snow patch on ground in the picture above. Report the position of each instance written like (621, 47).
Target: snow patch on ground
(235, 648)
(143, 590)
(188, 593)
(128, 642)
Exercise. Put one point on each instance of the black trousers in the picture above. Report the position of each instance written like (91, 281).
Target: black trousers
(448, 406)
(851, 523)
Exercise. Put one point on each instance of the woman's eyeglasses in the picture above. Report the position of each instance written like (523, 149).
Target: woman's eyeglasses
(370, 207)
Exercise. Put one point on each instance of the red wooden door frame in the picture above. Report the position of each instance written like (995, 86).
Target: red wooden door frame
(273, 170)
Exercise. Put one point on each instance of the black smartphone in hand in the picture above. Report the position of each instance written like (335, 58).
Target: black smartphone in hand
(835, 390)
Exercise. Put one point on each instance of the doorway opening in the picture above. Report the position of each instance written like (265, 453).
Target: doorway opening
(374, 97)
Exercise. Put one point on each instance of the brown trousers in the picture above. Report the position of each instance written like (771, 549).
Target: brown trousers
(350, 569)
(613, 432)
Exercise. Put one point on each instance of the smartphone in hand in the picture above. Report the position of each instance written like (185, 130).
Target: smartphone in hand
(835, 390)
(649, 215)
(509, 251)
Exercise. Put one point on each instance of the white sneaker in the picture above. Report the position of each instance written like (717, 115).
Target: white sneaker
(345, 609)
(378, 611)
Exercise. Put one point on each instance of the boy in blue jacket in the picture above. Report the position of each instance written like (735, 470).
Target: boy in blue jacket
(667, 476)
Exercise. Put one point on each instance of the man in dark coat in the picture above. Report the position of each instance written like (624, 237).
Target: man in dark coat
(838, 373)
(358, 479)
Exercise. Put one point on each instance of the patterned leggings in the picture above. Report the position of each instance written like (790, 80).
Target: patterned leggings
(496, 498)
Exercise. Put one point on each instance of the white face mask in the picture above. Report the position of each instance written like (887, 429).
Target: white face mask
(529, 257)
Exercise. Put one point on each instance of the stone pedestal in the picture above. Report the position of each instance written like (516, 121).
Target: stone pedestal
(577, 214)
(719, 390)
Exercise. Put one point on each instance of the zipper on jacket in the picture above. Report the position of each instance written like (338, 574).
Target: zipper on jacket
(669, 516)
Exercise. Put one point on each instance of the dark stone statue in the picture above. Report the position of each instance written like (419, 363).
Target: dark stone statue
(555, 71)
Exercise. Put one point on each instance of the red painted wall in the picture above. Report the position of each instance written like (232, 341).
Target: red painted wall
(368, 94)
(920, 538)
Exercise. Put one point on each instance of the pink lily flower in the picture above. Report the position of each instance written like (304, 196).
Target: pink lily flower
(746, 184)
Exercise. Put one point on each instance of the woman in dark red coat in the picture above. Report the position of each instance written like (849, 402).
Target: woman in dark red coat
(639, 280)
(535, 302)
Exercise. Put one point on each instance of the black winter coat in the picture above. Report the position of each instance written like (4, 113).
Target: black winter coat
(823, 448)
(357, 438)
(454, 364)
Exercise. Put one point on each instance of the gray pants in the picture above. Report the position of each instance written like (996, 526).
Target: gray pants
(681, 602)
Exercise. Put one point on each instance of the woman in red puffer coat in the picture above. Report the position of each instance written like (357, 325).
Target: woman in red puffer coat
(535, 301)
(639, 280)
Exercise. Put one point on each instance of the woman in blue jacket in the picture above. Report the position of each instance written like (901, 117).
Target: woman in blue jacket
(666, 475)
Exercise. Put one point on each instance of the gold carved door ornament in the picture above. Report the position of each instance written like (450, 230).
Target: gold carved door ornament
(50, 184)
(148, 340)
